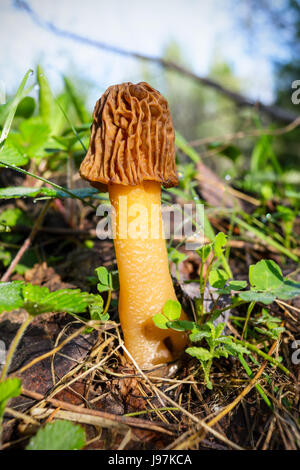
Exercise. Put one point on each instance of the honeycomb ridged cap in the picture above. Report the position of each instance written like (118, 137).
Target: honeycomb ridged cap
(132, 138)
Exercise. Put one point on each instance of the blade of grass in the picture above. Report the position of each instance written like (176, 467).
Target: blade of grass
(47, 95)
(71, 125)
(57, 186)
(19, 96)
(257, 386)
(77, 102)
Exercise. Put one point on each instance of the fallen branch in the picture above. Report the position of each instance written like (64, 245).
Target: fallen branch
(227, 138)
(108, 419)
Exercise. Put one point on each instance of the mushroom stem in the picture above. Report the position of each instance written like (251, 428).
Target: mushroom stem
(145, 281)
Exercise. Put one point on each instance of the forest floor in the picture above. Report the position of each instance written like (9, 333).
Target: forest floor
(86, 378)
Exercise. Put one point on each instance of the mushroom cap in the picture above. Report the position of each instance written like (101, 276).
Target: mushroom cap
(132, 138)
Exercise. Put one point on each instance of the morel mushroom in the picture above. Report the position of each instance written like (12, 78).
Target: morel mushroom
(131, 154)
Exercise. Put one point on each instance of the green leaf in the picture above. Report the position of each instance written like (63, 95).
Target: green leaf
(105, 279)
(217, 278)
(26, 107)
(22, 191)
(204, 251)
(59, 435)
(221, 352)
(219, 329)
(268, 319)
(39, 300)
(273, 333)
(233, 348)
(13, 217)
(13, 107)
(217, 313)
(219, 241)
(102, 288)
(265, 275)
(33, 137)
(8, 389)
(12, 155)
(198, 334)
(103, 275)
(34, 296)
(172, 309)
(237, 285)
(67, 300)
(252, 295)
(176, 256)
(288, 290)
(160, 321)
(11, 296)
(181, 325)
(96, 308)
(200, 353)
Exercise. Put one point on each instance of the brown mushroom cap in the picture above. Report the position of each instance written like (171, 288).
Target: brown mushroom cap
(132, 138)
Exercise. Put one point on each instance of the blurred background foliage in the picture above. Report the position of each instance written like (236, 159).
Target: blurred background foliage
(245, 147)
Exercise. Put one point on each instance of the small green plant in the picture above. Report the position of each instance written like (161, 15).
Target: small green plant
(217, 344)
(37, 300)
(266, 285)
(215, 275)
(268, 325)
(59, 435)
(105, 283)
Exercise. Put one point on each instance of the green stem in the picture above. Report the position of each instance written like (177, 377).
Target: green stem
(107, 302)
(250, 308)
(204, 284)
(13, 347)
(226, 266)
(201, 286)
(262, 354)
